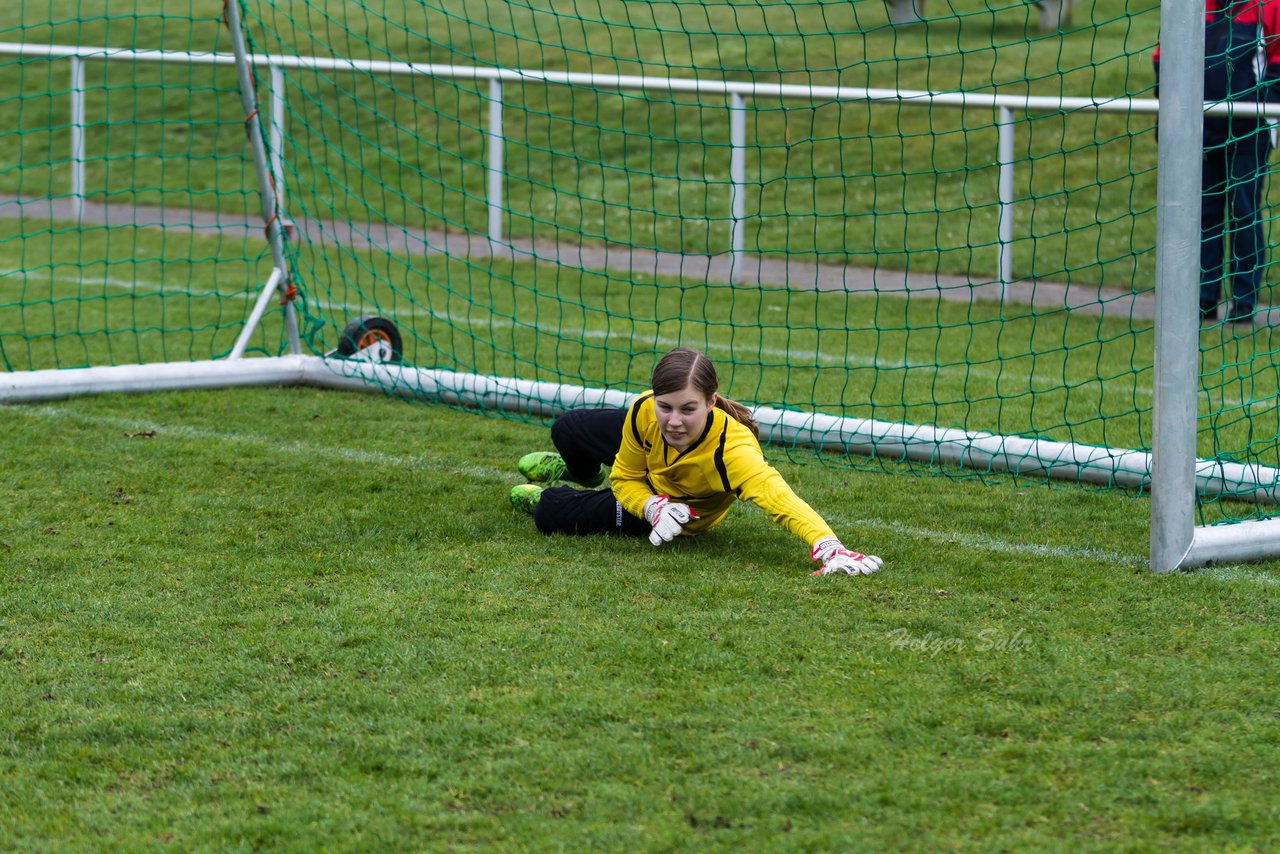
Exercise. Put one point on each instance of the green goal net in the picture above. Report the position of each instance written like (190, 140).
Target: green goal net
(129, 224)
(945, 224)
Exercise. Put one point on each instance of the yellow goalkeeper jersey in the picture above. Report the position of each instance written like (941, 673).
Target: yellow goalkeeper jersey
(723, 464)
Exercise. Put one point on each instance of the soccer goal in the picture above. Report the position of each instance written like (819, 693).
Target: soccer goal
(943, 247)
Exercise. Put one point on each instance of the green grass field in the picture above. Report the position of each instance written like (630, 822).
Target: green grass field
(309, 620)
(294, 619)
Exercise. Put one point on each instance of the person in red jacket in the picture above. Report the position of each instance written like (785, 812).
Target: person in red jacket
(1241, 63)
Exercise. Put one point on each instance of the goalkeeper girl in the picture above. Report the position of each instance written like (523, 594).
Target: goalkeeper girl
(680, 456)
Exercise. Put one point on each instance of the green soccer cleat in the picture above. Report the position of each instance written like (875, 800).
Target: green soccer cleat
(549, 467)
(525, 496)
(542, 467)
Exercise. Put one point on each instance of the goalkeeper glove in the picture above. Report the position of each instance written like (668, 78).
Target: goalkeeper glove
(667, 517)
(837, 560)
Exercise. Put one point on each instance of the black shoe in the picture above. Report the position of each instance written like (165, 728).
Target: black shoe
(1209, 314)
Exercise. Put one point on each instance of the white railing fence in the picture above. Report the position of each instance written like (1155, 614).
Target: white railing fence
(737, 94)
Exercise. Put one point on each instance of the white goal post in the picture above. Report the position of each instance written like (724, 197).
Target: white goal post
(1176, 541)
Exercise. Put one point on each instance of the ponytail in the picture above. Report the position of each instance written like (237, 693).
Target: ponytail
(738, 413)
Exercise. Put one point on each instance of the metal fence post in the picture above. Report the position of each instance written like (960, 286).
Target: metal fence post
(277, 132)
(737, 181)
(495, 164)
(77, 137)
(1005, 193)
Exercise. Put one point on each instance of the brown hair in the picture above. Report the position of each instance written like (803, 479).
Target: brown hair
(685, 366)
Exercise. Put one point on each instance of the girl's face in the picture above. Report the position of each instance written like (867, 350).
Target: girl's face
(682, 415)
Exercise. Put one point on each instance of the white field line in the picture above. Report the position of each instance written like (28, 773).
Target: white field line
(977, 542)
(292, 448)
(272, 444)
(1239, 572)
(414, 311)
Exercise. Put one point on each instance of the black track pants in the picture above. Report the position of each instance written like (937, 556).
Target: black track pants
(565, 510)
(587, 439)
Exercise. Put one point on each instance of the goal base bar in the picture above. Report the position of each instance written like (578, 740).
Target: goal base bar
(1240, 542)
(58, 383)
(936, 445)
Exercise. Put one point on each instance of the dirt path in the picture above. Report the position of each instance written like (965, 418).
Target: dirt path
(1041, 295)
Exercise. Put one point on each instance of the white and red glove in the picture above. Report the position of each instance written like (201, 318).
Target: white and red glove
(837, 560)
(667, 517)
